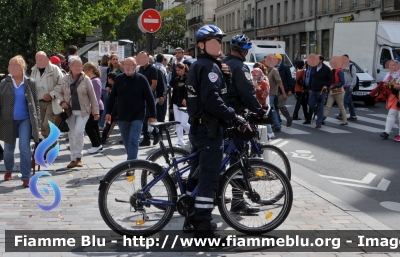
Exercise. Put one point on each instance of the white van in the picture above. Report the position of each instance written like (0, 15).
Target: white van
(261, 48)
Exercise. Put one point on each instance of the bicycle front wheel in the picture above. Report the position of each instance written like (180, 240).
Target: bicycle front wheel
(121, 197)
(275, 156)
(267, 182)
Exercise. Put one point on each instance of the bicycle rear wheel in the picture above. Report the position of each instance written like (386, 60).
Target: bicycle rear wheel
(275, 156)
(268, 182)
(121, 195)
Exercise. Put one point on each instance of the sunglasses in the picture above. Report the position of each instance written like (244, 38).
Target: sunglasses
(218, 40)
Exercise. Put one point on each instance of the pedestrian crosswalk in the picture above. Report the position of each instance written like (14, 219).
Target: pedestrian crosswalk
(373, 123)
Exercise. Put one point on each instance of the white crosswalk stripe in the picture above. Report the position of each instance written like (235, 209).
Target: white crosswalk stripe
(357, 126)
(324, 128)
(333, 126)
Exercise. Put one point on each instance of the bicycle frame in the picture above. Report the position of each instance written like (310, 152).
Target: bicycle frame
(230, 151)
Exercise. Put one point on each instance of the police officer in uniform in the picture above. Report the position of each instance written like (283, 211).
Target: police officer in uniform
(207, 112)
(241, 95)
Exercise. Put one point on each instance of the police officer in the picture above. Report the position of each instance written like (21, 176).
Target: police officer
(241, 95)
(206, 86)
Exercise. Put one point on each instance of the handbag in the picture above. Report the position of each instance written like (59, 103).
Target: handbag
(335, 91)
(63, 126)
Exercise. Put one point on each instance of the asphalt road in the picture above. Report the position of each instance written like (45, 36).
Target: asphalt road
(361, 168)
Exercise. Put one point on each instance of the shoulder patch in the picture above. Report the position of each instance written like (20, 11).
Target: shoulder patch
(248, 75)
(212, 76)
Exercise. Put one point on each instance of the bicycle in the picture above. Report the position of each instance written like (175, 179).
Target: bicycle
(129, 208)
(253, 147)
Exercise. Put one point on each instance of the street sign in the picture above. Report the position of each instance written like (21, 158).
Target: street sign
(149, 21)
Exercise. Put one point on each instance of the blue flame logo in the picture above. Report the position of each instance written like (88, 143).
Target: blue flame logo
(35, 192)
(45, 144)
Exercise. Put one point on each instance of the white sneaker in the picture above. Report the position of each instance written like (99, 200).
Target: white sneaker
(96, 149)
(271, 135)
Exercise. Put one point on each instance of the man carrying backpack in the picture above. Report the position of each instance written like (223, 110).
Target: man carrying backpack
(350, 77)
(300, 89)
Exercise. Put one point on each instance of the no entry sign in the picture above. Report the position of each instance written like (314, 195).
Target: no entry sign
(149, 21)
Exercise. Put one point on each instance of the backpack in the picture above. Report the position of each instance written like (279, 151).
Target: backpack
(301, 81)
(335, 73)
(162, 84)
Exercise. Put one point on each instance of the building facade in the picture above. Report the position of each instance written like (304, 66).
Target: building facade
(305, 25)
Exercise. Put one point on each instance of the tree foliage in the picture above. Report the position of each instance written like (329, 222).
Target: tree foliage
(172, 31)
(50, 25)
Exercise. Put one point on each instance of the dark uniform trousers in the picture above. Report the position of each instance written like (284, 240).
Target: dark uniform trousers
(210, 152)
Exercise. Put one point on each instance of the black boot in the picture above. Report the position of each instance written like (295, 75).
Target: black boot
(189, 224)
(203, 229)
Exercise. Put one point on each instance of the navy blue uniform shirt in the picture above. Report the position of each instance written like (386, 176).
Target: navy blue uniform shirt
(205, 86)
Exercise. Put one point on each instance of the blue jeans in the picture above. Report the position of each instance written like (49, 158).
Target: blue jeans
(130, 132)
(348, 102)
(104, 97)
(274, 114)
(23, 130)
(316, 104)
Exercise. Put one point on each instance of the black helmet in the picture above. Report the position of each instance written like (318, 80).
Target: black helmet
(240, 43)
(209, 31)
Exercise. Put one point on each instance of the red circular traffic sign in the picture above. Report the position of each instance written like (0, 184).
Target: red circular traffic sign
(150, 21)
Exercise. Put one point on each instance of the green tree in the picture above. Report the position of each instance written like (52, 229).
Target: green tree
(128, 29)
(172, 31)
(51, 25)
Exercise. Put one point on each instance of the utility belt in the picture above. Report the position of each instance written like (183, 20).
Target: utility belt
(211, 122)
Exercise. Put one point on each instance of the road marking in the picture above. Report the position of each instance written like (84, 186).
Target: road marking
(293, 131)
(366, 180)
(391, 205)
(273, 142)
(303, 154)
(382, 186)
(379, 115)
(282, 144)
(324, 128)
(375, 121)
(357, 126)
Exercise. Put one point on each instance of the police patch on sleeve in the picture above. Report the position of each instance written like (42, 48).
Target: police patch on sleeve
(248, 75)
(212, 76)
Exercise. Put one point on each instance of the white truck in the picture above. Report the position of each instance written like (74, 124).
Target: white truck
(261, 48)
(370, 44)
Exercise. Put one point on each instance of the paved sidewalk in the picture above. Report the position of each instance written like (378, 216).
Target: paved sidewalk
(78, 210)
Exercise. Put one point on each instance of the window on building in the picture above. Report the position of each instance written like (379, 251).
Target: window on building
(285, 13)
(258, 18)
(311, 41)
(340, 5)
(355, 3)
(278, 12)
(271, 15)
(265, 16)
(248, 11)
(325, 43)
(328, 5)
(238, 20)
(287, 43)
(301, 9)
(311, 7)
(303, 43)
(293, 9)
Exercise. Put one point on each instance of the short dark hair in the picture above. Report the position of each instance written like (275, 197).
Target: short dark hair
(72, 50)
(300, 65)
(111, 75)
(321, 58)
(346, 55)
(159, 58)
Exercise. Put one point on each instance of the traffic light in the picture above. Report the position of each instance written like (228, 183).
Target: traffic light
(146, 4)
